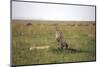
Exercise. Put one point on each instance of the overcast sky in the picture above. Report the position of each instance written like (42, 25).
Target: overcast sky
(42, 11)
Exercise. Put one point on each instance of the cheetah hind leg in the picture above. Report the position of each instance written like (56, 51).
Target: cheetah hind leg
(65, 45)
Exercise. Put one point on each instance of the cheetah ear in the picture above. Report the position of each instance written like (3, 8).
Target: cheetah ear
(56, 27)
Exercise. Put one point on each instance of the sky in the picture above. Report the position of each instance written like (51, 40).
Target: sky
(44, 11)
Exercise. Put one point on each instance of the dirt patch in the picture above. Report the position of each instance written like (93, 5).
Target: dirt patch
(39, 47)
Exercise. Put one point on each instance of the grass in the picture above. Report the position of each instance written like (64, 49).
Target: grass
(81, 40)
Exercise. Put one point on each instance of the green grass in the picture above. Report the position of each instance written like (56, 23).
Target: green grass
(81, 40)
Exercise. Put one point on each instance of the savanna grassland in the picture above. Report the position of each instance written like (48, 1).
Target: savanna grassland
(80, 35)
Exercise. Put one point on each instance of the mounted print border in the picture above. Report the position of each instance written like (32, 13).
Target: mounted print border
(52, 33)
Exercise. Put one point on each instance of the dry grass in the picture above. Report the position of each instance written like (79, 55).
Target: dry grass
(80, 36)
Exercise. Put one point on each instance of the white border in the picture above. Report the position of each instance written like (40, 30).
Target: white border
(5, 33)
